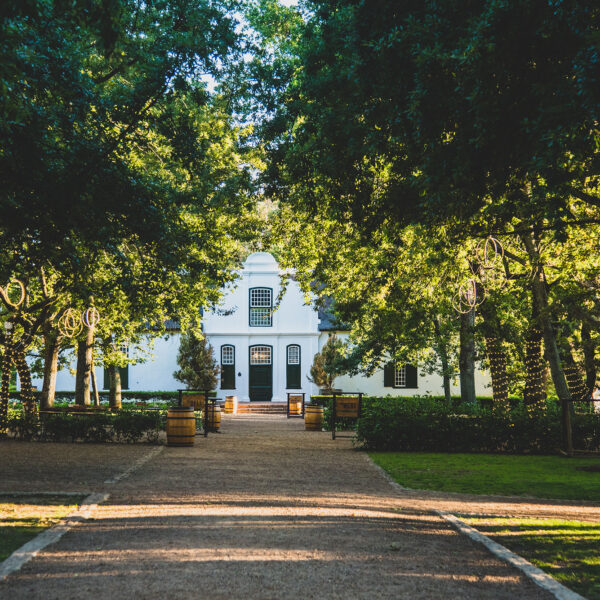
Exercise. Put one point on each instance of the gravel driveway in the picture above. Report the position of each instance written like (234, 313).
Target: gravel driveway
(264, 510)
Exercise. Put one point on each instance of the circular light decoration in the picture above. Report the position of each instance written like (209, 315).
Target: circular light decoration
(493, 278)
(70, 324)
(467, 297)
(489, 252)
(12, 284)
(90, 317)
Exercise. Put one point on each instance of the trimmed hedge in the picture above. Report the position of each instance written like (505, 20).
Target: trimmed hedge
(422, 424)
(125, 394)
(123, 426)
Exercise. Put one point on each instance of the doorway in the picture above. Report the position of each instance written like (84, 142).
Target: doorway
(261, 373)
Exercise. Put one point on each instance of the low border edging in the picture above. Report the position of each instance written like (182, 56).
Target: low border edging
(539, 577)
(28, 550)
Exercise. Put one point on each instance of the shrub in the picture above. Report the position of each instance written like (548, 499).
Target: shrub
(422, 424)
(97, 426)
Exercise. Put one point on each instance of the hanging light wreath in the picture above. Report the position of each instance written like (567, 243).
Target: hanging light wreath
(467, 297)
(70, 324)
(12, 285)
(489, 252)
(90, 317)
(492, 278)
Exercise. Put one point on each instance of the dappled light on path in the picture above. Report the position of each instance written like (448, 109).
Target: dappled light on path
(265, 510)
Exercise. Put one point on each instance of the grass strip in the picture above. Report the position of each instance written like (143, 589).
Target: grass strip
(24, 517)
(495, 474)
(569, 551)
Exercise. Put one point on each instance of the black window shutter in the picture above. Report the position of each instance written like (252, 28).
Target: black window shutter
(388, 375)
(293, 377)
(124, 378)
(227, 377)
(411, 377)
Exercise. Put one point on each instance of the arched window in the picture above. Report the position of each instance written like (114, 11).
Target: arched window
(260, 355)
(227, 367)
(293, 367)
(261, 307)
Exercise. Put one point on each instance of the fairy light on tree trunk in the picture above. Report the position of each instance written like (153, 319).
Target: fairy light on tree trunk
(7, 363)
(497, 360)
(534, 393)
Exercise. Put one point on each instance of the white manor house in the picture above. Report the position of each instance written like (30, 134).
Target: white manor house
(266, 353)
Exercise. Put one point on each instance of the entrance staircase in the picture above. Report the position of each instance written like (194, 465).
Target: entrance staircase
(262, 408)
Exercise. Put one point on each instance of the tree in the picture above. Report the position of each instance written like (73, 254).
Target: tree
(198, 368)
(482, 116)
(125, 178)
(328, 363)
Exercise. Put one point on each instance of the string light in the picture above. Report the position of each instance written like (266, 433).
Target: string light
(7, 363)
(497, 358)
(534, 394)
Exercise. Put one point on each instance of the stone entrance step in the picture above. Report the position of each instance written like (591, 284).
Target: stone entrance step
(262, 408)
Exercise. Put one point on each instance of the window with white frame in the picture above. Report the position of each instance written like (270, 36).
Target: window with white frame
(261, 307)
(227, 355)
(400, 376)
(293, 355)
(260, 355)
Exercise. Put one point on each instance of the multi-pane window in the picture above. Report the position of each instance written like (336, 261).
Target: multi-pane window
(261, 307)
(260, 355)
(227, 356)
(293, 355)
(293, 377)
(400, 376)
(227, 367)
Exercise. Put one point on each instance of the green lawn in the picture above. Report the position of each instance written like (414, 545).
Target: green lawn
(569, 551)
(507, 475)
(23, 517)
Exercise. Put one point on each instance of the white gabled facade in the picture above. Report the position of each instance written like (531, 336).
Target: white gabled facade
(266, 350)
(245, 321)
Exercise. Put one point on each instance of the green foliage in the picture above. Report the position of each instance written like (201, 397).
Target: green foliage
(198, 368)
(329, 363)
(424, 425)
(125, 426)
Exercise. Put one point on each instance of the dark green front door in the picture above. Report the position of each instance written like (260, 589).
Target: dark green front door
(261, 374)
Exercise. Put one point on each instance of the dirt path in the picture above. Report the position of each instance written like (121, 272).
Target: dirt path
(263, 511)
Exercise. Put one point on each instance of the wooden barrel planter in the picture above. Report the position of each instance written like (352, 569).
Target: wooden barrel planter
(231, 405)
(181, 426)
(196, 401)
(313, 418)
(214, 418)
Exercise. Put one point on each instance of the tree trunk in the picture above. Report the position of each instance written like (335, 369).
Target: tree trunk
(114, 395)
(589, 358)
(7, 363)
(442, 350)
(496, 354)
(29, 403)
(534, 394)
(497, 359)
(573, 375)
(467, 357)
(51, 351)
(558, 376)
(84, 368)
(95, 385)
